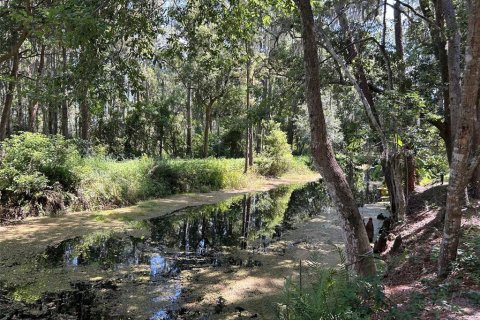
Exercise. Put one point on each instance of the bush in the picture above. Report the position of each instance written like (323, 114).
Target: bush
(277, 157)
(32, 163)
(468, 258)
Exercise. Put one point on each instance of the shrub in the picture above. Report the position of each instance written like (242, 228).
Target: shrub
(32, 163)
(40, 173)
(107, 182)
(277, 158)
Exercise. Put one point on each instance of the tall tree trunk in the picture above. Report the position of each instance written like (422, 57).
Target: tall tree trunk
(161, 134)
(7, 108)
(411, 171)
(358, 248)
(250, 126)
(437, 30)
(465, 156)
(206, 129)
(259, 130)
(189, 121)
(291, 124)
(248, 136)
(33, 112)
(475, 180)
(246, 157)
(21, 121)
(397, 18)
(453, 58)
(65, 95)
(409, 165)
(392, 168)
(84, 116)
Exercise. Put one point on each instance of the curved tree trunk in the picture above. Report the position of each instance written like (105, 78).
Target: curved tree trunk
(465, 157)
(359, 252)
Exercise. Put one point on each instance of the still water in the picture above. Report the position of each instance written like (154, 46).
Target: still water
(143, 270)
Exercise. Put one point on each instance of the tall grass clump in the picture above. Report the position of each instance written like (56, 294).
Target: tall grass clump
(41, 174)
(199, 175)
(334, 293)
(106, 182)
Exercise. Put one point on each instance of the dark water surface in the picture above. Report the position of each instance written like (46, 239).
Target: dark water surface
(132, 269)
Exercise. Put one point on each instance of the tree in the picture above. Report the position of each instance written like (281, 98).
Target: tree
(358, 248)
(465, 156)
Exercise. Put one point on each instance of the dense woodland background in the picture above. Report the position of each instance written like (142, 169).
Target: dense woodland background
(85, 84)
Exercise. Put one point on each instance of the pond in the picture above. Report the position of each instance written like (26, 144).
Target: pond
(151, 271)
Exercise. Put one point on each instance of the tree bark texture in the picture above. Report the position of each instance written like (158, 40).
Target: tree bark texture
(453, 60)
(206, 129)
(437, 31)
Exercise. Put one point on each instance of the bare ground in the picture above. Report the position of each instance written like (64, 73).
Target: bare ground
(411, 282)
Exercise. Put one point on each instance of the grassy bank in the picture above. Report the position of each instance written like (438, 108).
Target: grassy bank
(41, 175)
(105, 182)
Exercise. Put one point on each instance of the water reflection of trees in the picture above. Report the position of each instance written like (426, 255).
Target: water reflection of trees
(238, 222)
(241, 220)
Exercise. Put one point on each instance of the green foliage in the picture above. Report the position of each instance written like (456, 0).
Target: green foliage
(431, 166)
(106, 182)
(468, 256)
(334, 294)
(277, 158)
(33, 162)
(199, 174)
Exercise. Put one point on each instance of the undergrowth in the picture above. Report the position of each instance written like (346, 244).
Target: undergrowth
(40, 175)
(334, 293)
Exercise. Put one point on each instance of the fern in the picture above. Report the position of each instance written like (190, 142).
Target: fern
(334, 294)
